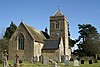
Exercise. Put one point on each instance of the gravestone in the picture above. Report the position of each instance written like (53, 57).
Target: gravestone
(16, 61)
(66, 62)
(90, 61)
(64, 57)
(32, 60)
(76, 63)
(41, 58)
(36, 59)
(56, 59)
(5, 53)
(82, 61)
(45, 60)
(54, 64)
(5, 62)
(95, 60)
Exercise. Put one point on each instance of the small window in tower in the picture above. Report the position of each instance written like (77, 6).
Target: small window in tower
(57, 25)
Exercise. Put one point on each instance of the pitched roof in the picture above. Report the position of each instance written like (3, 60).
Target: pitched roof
(36, 34)
(51, 44)
(58, 13)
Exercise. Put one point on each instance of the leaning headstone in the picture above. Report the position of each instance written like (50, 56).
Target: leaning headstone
(45, 60)
(66, 62)
(90, 61)
(82, 61)
(5, 62)
(76, 63)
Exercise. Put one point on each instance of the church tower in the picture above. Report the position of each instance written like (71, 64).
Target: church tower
(59, 28)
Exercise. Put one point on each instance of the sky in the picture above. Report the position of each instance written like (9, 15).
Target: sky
(36, 13)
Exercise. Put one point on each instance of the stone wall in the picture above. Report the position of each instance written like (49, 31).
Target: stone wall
(28, 44)
(49, 53)
(37, 49)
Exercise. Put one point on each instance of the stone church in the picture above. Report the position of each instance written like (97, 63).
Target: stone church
(29, 42)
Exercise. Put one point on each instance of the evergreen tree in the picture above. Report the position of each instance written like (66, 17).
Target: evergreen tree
(7, 35)
(3, 44)
(89, 40)
(10, 30)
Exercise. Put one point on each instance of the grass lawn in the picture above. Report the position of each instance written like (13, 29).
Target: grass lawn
(26, 64)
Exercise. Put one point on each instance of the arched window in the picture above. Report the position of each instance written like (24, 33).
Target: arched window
(20, 42)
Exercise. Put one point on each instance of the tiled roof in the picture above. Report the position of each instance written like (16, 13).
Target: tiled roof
(51, 44)
(36, 34)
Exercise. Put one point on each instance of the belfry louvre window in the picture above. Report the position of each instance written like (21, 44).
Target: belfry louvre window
(20, 42)
(57, 25)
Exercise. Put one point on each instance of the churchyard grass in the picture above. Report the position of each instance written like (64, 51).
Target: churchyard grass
(26, 64)
(86, 64)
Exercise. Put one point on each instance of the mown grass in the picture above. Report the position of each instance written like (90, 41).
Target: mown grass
(86, 64)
